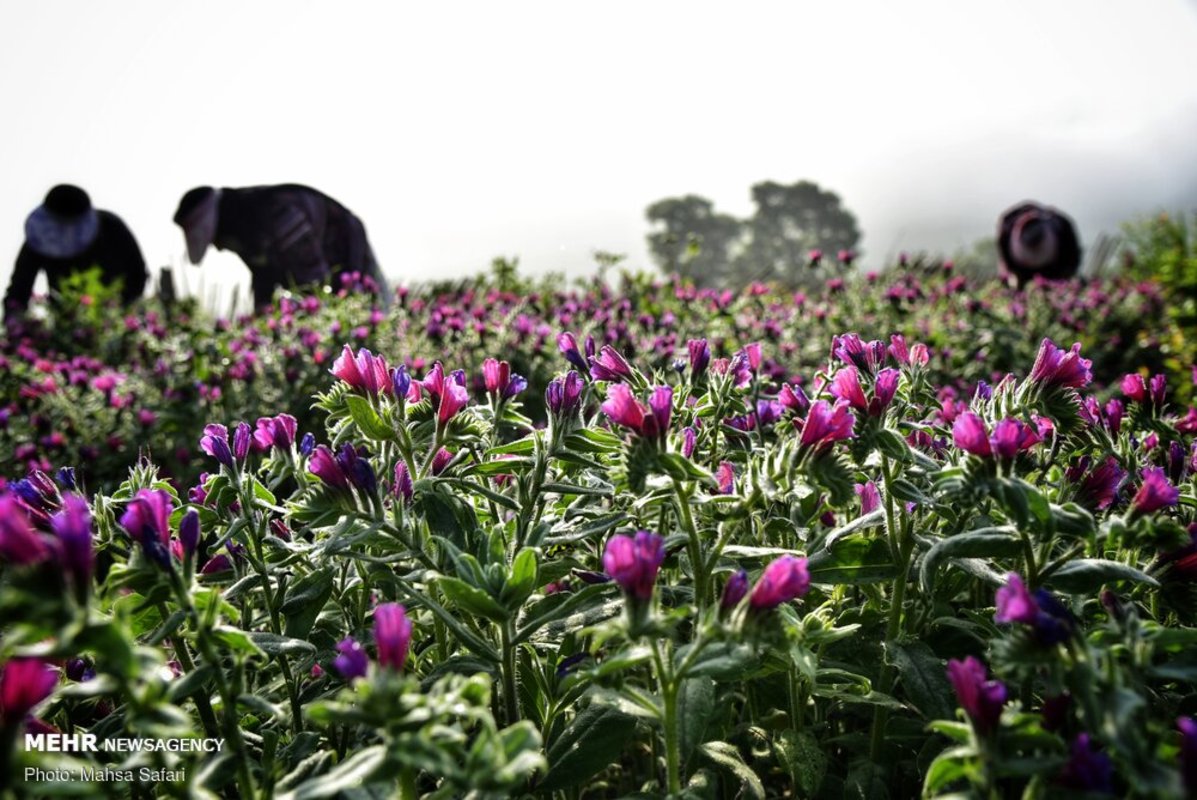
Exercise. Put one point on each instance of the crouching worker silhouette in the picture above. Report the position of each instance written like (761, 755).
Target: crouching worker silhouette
(64, 236)
(288, 235)
(1036, 240)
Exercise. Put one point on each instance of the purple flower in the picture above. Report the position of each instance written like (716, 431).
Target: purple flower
(1087, 770)
(689, 441)
(400, 381)
(72, 526)
(970, 435)
(700, 356)
(403, 484)
(870, 498)
(356, 468)
(734, 590)
(24, 682)
(609, 365)
(392, 635)
(1050, 621)
(982, 699)
(1063, 368)
(515, 385)
(324, 465)
(352, 661)
(19, 543)
(661, 404)
(785, 579)
(826, 424)
(242, 438)
(725, 476)
(66, 478)
(276, 432)
(563, 395)
(633, 562)
(307, 444)
(1159, 390)
(853, 351)
(568, 346)
(363, 371)
(1155, 492)
(215, 442)
(147, 519)
(1188, 753)
(189, 531)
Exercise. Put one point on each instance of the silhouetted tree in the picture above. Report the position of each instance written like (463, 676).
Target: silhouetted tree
(789, 222)
(693, 239)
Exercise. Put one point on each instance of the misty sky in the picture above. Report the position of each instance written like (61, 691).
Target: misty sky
(463, 131)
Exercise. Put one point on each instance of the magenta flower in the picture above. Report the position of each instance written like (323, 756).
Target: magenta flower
(1135, 388)
(392, 635)
(1188, 753)
(278, 432)
(147, 519)
(793, 398)
(700, 356)
(725, 476)
(982, 699)
(1063, 368)
(1010, 437)
(609, 365)
(970, 435)
(449, 394)
(324, 466)
(24, 683)
(364, 371)
(1015, 603)
(622, 407)
(660, 402)
(1099, 489)
(783, 580)
(689, 441)
(440, 461)
(850, 349)
(215, 442)
(495, 375)
(734, 590)
(1154, 493)
(352, 662)
(870, 498)
(72, 526)
(826, 424)
(633, 562)
(845, 386)
(19, 543)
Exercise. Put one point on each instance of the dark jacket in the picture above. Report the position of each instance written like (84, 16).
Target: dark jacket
(292, 235)
(114, 251)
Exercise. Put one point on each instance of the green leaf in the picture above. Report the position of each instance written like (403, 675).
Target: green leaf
(367, 419)
(695, 709)
(855, 560)
(236, 640)
(273, 644)
(351, 774)
(727, 757)
(568, 607)
(799, 751)
(592, 741)
(923, 678)
(471, 599)
(980, 543)
(1087, 575)
(951, 766)
(305, 600)
(522, 581)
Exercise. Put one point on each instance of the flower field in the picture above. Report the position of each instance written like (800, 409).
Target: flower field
(908, 535)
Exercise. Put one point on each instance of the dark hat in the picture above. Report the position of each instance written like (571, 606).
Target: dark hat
(198, 215)
(64, 225)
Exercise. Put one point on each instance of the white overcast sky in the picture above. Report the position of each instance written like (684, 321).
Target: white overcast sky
(462, 131)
